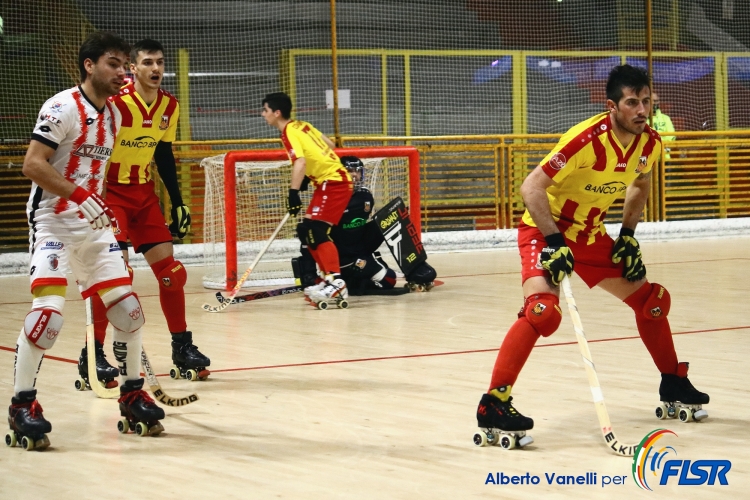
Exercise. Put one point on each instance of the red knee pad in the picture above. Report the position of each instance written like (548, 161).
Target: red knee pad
(655, 305)
(543, 312)
(173, 277)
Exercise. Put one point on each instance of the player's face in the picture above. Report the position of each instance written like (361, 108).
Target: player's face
(272, 117)
(631, 113)
(108, 73)
(149, 69)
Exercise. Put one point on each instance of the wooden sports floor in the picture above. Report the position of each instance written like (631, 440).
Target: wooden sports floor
(379, 401)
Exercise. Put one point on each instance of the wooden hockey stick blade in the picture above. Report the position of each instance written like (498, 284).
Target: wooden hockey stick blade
(624, 450)
(96, 386)
(156, 389)
(259, 295)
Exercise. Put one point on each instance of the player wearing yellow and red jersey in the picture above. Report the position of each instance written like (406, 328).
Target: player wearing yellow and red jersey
(149, 118)
(313, 160)
(567, 197)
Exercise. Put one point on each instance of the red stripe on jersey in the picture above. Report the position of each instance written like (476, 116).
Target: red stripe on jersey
(112, 115)
(600, 152)
(649, 147)
(591, 221)
(127, 116)
(288, 145)
(577, 143)
(74, 161)
(113, 173)
(148, 116)
(567, 215)
(134, 169)
(172, 104)
(96, 165)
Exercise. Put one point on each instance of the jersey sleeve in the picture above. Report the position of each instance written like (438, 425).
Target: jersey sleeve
(53, 123)
(171, 134)
(292, 138)
(563, 159)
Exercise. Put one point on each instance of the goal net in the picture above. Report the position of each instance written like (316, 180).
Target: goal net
(245, 199)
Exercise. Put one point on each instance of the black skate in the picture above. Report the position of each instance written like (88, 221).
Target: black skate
(28, 427)
(188, 361)
(105, 373)
(500, 422)
(679, 398)
(140, 414)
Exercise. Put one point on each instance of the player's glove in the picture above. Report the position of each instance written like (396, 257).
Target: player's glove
(93, 208)
(181, 220)
(305, 183)
(294, 204)
(626, 249)
(557, 258)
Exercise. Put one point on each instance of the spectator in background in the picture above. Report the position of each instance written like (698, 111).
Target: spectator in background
(662, 124)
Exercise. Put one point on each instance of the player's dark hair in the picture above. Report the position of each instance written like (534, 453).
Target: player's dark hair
(147, 45)
(96, 45)
(279, 101)
(626, 76)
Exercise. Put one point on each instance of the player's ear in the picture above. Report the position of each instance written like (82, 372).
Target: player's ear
(611, 106)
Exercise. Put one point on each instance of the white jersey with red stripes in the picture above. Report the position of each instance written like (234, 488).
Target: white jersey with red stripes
(83, 138)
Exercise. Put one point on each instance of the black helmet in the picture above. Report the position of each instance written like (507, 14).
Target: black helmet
(354, 165)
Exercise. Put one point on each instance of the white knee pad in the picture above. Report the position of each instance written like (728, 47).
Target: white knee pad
(126, 313)
(42, 327)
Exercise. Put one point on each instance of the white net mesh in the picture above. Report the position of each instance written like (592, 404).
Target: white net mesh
(260, 195)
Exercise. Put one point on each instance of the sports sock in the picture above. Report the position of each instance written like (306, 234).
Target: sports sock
(514, 351)
(172, 300)
(28, 360)
(100, 318)
(328, 258)
(655, 333)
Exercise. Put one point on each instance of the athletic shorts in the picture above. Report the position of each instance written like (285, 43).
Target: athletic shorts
(138, 213)
(592, 263)
(329, 201)
(94, 258)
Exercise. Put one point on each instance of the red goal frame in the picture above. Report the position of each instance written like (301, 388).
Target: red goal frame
(230, 188)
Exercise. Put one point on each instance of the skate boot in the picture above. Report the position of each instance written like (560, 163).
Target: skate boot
(105, 373)
(679, 398)
(334, 292)
(188, 361)
(500, 422)
(139, 412)
(320, 283)
(28, 426)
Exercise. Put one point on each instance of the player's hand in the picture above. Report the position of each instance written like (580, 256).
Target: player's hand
(181, 220)
(627, 250)
(557, 258)
(93, 208)
(294, 204)
(305, 183)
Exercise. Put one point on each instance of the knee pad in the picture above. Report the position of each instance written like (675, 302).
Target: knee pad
(126, 313)
(657, 303)
(384, 279)
(173, 277)
(543, 312)
(316, 232)
(42, 327)
(301, 233)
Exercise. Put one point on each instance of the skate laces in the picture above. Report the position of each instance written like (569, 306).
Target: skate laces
(35, 409)
(132, 396)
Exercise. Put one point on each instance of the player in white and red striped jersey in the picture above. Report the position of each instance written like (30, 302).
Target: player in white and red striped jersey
(71, 229)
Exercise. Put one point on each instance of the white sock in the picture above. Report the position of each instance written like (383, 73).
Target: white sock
(127, 351)
(28, 360)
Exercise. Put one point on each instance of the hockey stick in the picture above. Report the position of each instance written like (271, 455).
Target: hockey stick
(624, 450)
(259, 295)
(236, 289)
(156, 389)
(96, 386)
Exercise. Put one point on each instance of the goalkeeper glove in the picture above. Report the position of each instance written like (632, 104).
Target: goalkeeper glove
(294, 204)
(628, 251)
(181, 220)
(557, 258)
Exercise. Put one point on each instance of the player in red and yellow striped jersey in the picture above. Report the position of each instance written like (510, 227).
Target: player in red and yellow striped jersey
(567, 197)
(313, 160)
(149, 118)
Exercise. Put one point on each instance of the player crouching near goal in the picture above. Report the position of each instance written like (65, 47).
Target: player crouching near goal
(312, 156)
(566, 199)
(71, 228)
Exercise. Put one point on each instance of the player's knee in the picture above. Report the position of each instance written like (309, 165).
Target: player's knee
(44, 322)
(657, 303)
(543, 312)
(385, 278)
(316, 232)
(126, 313)
(173, 277)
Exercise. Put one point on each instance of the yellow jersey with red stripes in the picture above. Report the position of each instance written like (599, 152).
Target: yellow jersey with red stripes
(302, 140)
(142, 127)
(591, 170)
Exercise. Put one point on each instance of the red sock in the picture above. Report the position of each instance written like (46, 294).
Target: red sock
(515, 350)
(655, 333)
(327, 258)
(100, 318)
(172, 299)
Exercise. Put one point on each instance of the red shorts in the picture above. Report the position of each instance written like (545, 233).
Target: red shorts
(592, 263)
(138, 213)
(329, 201)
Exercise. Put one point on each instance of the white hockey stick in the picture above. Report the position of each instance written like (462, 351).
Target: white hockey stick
(156, 389)
(624, 450)
(96, 386)
(228, 300)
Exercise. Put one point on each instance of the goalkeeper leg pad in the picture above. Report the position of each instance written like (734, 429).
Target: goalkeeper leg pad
(316, 232)
(543, 312)
(651, 301)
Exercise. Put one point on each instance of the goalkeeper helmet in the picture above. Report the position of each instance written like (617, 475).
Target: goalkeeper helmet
(356, 169)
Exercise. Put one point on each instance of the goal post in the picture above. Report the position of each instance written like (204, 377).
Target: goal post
(249, 195)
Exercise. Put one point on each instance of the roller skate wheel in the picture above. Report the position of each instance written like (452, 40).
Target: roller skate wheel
(27, 443)
(10, 439)
(685, 414)
(123, 425)
(191, 375)
(525, 441)
(480, 439)
(322, 306)
(141, 429)
(508, 442)
(661, 412)
(700, 415)
(80, 384)
(343, 304)
(174, 373)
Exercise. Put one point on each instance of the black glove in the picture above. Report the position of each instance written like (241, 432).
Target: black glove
(627, 248)
(557, 258)
(294, 204)
(305, 183)
(181, 220)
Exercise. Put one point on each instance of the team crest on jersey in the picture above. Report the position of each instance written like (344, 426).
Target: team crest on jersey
(164, 124)
(54, 261)
(367, 206)
(56, 107)
(558, 161)
(641, 164)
